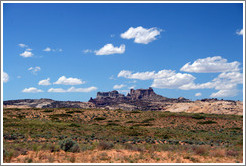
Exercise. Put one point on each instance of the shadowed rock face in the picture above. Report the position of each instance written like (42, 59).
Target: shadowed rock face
(144, 94)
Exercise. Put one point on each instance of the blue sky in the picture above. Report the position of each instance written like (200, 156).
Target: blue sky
(72, 51)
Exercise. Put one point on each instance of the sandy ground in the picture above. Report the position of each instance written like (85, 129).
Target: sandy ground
(118, 156)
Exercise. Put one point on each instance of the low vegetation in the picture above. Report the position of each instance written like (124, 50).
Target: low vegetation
(88, 135)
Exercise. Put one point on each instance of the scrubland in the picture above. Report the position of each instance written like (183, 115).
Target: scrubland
(64, 135)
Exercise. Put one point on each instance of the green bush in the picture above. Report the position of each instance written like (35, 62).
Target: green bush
(47, 110)
(207, 122)
(147, 120)
(69, 145)
(105, 145)
(135, 111)
(197, 116)
(99, 118)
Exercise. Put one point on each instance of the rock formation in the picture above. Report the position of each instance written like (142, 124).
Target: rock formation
(139, 99)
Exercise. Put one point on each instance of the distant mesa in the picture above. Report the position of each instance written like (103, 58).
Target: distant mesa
(142, 99)
(134, 95)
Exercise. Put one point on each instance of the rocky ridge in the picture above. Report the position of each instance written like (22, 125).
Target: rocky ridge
(139, 99)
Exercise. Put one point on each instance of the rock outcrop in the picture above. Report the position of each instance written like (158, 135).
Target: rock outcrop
(46, 103)
(143, 99)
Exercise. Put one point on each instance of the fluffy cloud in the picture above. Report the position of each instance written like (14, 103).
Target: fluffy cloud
(119, 86)
(198, 94)
(139, 75)
(45, 82)
(72, 89)
(172, 82)
(162, 79)
(239, 32)
(141, 35)
(225, 93)
(57, 90)
(87, 51)
(48, 49)
(34, 70)
(26, 54)
(5, 77)
(69, 81)
(22, 45)
(110, 49)
(32, 90)
(211, 65)
(226, 84)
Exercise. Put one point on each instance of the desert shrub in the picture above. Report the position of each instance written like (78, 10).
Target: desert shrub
(197, 116)
(99, 118)
(232, 153)
(74, 125)
(112, 124)
(75, 148)
(147, 120)
(105, 145)
(143, 124)
(74, 111)
(207, 122)
(69, 145)
(136, 111)
(131, 121)
(200, 149)
(218, 153)
(133, 147)
(133, 133)
(48, 110)
(54, 148)
(59, 115)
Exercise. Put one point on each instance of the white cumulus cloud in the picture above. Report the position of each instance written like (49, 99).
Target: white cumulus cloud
(47, 49)
(44, 82)
(109, 49)
(72, 89)
(141, 35)
(5, 77)
(26, 54)
(119, 86)
(57, 90)
(211, 65)
(172, 82)
(226, 84)
(225, 93)
(32, 90)
(22, 45)
(87, 51)
(34, 70)
(162, 79)
(198, 94)
(239, 32)
(69, 81)
(139, 75)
